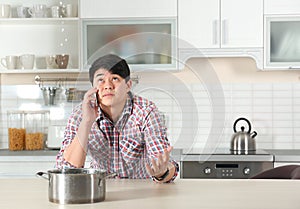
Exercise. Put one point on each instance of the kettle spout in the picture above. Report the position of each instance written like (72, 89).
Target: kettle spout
(253, 134)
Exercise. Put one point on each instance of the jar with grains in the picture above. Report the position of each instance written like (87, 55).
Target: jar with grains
(36, 124)
(16, 130)
(27, 129)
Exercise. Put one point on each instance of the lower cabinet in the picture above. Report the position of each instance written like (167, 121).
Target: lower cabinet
(27, 166)
(24, 168)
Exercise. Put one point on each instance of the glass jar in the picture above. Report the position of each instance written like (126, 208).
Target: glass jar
(36, 125)
(16, 130)
(27, 129)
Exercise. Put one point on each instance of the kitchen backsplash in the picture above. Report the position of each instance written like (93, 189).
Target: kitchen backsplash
(273, 110)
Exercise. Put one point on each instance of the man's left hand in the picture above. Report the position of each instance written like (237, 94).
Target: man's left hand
(159, 165)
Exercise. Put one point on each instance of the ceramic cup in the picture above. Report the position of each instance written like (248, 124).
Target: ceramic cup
(50, 62)
(70, 10)
(38, 10)
(27, 61)
(22, 12)
(62, 61)
(10, 62)
(5, 10)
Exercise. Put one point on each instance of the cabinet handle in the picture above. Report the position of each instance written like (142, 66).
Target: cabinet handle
(215, 32)
(224, 32)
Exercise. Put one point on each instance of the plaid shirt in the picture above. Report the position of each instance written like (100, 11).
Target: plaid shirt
(123, 147)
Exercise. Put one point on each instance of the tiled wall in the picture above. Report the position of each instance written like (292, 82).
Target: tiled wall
(273, 109)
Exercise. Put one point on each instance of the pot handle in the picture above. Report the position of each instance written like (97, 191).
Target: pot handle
(42, 174)
(106, 176)
(110, 175)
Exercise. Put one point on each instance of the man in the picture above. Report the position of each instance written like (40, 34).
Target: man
(122, 132)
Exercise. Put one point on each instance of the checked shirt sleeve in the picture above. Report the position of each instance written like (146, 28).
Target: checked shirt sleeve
(69, 135)
(156, 136)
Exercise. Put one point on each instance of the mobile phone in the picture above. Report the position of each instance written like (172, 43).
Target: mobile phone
(97, 99)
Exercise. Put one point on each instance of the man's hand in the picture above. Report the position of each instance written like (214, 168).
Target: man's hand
(90, 106)
(159, 166)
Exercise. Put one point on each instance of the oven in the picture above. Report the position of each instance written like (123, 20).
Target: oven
(224, 164)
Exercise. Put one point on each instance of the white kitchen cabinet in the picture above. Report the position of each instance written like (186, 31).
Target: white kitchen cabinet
(24, 169)
(28, 163)
(281, 42)
(40, 36)
(285, 7)
(197, 23)
(127, 9)
(220, 23)
(145, 44)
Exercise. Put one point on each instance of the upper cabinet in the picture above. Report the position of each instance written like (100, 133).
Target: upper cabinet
(141, 32)
(146, 44)
(220, 23)
(282, 7)
(198, 23)
(128, 8)
(282, 35)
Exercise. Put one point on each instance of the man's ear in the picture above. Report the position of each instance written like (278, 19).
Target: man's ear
(129, 85)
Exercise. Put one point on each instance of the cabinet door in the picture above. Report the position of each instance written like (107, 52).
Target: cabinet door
(282, 7)
(198, 23)
(241, 23)
(220, 23)
(129, 8)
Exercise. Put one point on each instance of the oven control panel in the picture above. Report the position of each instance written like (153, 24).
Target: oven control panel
(196, 169)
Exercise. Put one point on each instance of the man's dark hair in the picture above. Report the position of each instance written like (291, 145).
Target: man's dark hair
(112, 63)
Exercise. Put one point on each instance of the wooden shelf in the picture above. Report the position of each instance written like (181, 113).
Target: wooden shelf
(38, 21)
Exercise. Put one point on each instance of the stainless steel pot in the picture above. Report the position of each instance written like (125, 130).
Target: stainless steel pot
(243, 141)
(75, 186)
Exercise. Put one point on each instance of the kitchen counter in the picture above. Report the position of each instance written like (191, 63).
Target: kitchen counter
(285, 155)
(5, 153)
(27, 155)
(183, 193)
(27, 163)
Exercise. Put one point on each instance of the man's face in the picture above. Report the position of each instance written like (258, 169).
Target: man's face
(112, 88)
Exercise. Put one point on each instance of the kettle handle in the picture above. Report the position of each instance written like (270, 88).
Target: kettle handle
(254, 134)
(239, 119)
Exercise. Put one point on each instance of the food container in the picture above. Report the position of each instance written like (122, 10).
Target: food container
(75, 185)
(16, 130)
(27, 129)
(36, 125)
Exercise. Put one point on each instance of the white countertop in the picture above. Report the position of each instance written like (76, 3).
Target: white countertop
(184, 193)
(27, 155)
(43, 155)
(281, 155)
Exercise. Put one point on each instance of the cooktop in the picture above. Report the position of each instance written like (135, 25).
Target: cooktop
(223, 151)
(226, 155)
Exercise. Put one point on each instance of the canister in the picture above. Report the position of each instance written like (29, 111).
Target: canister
(16, 130)
(36, 125)
(27, 129)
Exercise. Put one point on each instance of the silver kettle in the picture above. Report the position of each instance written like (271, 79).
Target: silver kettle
(243, 141)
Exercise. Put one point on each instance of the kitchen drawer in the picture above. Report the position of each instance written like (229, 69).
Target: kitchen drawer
(23, 169)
